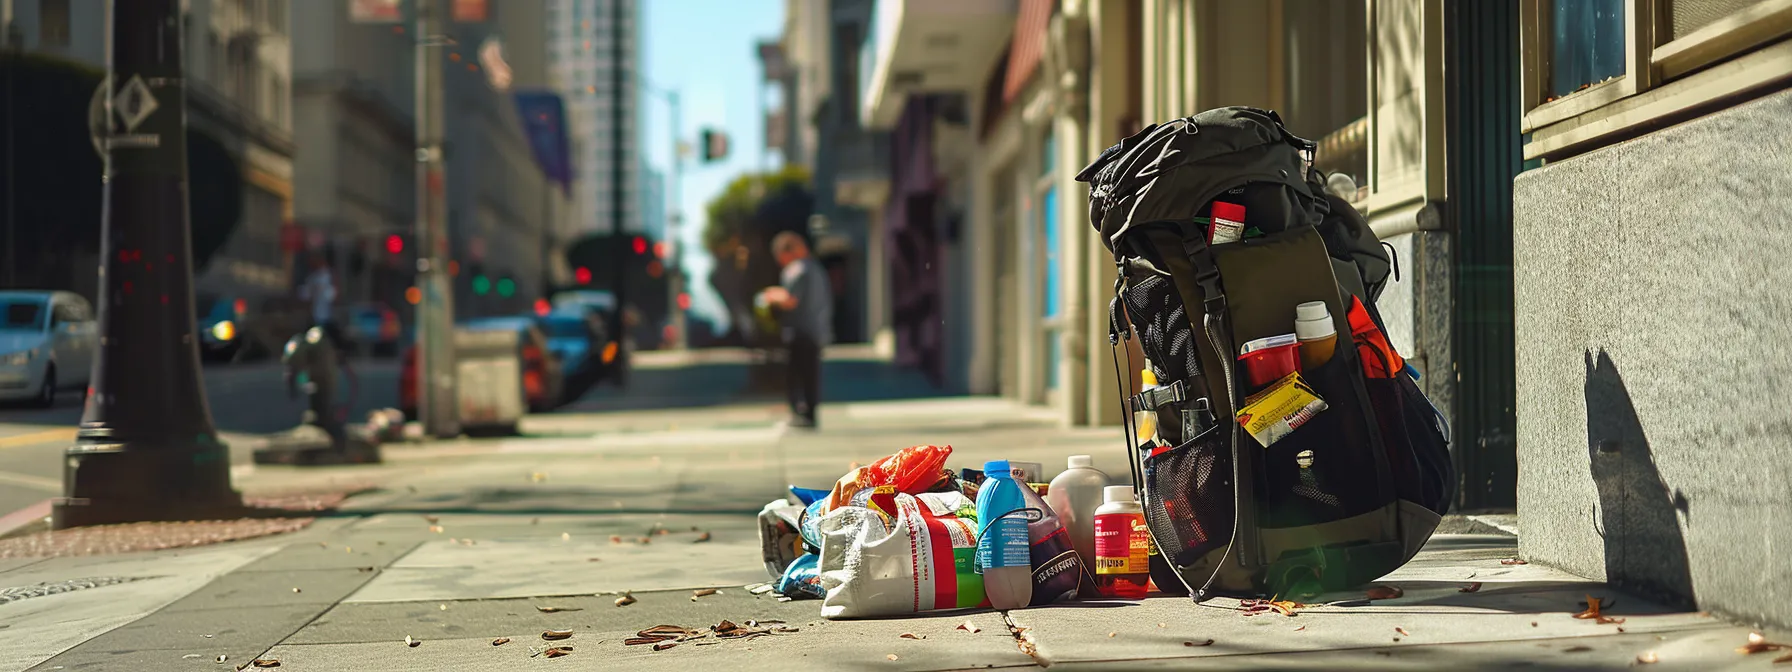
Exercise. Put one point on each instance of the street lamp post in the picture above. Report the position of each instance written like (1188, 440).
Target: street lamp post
(436, 379)
(675, 214)
(146, 448)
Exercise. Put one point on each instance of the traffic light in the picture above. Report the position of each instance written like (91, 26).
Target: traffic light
(395, 244)
(506, 287)
(684, 301)
(640, 245)
(481, 284)
(582, 275)
(715, 145)
(542, 307)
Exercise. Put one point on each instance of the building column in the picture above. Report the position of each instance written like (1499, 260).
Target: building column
(1109, 102)
(877, 284)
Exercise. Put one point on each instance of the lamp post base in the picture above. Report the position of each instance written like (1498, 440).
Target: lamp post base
(109, 482)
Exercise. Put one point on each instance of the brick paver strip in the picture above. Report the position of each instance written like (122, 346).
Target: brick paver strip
(108, 539)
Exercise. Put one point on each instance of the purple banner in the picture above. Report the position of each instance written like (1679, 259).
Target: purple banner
(544, 121)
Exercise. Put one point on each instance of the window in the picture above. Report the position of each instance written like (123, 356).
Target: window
(1051, 263)
(52, 23)
(1586, 44)
(1624, 63)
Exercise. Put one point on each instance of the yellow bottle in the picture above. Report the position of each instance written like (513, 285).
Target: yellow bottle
(1145, 419)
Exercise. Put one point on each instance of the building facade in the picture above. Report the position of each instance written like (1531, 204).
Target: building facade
(1651, 219)
(353, 97)
(238, 61)
(593, 54)
(818, 66)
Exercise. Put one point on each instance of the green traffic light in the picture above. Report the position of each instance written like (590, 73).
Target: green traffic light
(481, 285)
(506, 287)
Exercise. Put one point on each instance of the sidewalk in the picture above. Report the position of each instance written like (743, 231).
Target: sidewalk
(466, 541)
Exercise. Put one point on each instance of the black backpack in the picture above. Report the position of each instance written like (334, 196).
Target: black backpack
(1351, 494)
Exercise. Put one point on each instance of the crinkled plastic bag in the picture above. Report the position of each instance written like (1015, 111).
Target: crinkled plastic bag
(921, 560)
(912, 470)
(779, 541)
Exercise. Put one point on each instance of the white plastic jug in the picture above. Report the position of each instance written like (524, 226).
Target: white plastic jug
(1074, 495)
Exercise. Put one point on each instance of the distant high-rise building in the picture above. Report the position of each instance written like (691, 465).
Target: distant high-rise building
(653, 204)
(592, 60)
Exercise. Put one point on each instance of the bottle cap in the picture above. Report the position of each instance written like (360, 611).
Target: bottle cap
(1313, 322)
(997, 469)
(1081, 461)
(1118, 493)
(1147, 378)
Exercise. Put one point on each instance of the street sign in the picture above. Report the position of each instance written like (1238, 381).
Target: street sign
(134, 103)
(376, 11)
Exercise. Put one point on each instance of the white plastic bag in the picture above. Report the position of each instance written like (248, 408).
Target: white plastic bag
(920, 560)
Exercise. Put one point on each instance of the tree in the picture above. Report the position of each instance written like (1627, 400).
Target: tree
(742, 221)
(57, 175)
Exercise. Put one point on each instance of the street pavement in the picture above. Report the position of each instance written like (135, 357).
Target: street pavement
(245, 400)
(465, 542)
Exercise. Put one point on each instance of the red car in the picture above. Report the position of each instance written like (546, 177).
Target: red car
(542, 377)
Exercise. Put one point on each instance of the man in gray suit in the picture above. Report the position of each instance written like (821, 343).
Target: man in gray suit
(807, 303)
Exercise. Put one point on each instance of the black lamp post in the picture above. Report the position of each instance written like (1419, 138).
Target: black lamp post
(146, 449)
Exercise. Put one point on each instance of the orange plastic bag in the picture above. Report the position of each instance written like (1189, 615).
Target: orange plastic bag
(911, 470)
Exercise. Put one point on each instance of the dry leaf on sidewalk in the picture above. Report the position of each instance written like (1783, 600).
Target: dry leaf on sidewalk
(1513, 561)
(1207, 642)
(432, 519)
(701, 538)
(910, 635)
(1592, 612)
(500, 641)
(644, 541)
(625, 600)
(1402, 631)
(1648, 657)
(1472, 587)
(551, 610)
(1385, 592)
(891, 656)
(703, 592)
(265, 662)
(436, 529)
(970, 627)
(1757, 643)
(552, 635)
(411, 642)
(662, 646)
(615, 538)
(1783, 659)
(558, 651)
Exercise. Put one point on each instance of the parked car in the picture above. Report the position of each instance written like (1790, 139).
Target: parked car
(373, 328)
(580, 341)
(542, 380)
(602, 304)
(221, 327)
(48, 341)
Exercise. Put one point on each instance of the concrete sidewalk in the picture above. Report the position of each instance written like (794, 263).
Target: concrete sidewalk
(467, 542)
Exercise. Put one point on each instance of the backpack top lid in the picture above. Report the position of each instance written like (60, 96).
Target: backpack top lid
(1229, 143)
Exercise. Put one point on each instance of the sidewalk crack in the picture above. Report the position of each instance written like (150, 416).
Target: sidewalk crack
(1024, 640)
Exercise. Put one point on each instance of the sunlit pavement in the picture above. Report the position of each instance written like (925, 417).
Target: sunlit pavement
(470, 541)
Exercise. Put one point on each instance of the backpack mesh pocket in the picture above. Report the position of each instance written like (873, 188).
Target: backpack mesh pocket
(1189, 501)
(1168, 339)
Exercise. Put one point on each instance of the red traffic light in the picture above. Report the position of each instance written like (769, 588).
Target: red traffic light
(542, 307)
(583, 275)
(640, 245)
(684, 301)
(394, 244)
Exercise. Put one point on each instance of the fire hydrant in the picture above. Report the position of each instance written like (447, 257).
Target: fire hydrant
(311, 362)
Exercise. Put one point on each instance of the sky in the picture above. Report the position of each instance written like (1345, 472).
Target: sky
(707, 51)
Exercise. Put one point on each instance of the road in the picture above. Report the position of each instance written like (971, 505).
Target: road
(245, 399)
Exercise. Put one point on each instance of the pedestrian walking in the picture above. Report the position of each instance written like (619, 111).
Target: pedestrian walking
(807, 306)
(320, 289)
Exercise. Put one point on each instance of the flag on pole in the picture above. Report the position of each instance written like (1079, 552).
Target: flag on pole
(376, 11)
(544, 122)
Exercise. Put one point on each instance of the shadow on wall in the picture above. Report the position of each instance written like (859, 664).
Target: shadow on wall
(1638, 514)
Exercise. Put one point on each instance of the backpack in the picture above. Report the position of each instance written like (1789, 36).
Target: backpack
(1349, 495)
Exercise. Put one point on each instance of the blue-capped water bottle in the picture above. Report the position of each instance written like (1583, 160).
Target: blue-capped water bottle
(1004, 553)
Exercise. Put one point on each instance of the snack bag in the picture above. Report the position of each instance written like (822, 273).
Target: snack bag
(912, 470)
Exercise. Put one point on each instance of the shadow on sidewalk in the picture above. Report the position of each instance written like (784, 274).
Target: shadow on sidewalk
(1639, 514)
(715, 384)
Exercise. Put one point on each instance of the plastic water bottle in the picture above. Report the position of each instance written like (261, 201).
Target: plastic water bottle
(1074, 496)
(1004, 552)
(1121, 545)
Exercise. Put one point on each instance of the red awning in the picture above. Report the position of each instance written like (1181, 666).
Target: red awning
(1028, 46)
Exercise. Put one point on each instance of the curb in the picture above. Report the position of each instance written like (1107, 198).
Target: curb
(29, 515)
